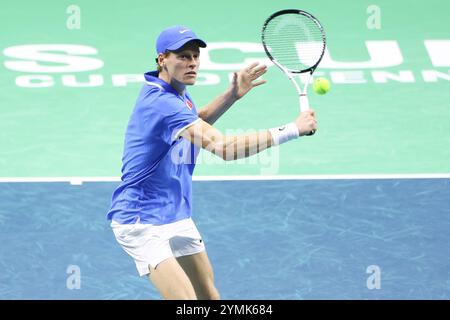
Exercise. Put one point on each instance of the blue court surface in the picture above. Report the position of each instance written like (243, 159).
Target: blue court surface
(272, 239)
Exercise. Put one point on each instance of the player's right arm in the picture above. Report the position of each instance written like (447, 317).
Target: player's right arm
(233, 147)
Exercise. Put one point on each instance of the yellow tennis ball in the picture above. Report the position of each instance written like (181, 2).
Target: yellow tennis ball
(321, 85)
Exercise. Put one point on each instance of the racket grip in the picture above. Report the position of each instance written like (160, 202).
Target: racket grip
(304, 102)
(304, 106)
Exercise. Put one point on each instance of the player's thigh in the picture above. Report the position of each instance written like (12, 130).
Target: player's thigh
(199, 270)
(171, 280)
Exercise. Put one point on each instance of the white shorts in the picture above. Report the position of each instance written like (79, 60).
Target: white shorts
(150, 244)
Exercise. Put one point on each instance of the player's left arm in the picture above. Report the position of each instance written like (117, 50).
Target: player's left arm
(243, 81)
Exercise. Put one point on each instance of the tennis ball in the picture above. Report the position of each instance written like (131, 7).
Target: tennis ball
(321, 85)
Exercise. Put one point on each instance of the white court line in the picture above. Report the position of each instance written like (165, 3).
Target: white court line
(80, 180)
(328, 177)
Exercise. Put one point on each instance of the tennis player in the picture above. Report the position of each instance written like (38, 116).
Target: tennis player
(152, 207)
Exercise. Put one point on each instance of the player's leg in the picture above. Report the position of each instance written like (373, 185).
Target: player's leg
(188, 247)
(200, 272)
(149, 246)
(171, 281)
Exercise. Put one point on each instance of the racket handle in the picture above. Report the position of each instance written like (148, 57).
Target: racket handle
(304, 106)
(304, 102)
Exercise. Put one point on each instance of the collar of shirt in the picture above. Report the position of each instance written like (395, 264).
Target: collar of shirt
(151, 78)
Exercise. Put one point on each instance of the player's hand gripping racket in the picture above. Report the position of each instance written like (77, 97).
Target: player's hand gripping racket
(295, 42)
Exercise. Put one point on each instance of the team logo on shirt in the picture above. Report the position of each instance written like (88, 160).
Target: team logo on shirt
(189, 104)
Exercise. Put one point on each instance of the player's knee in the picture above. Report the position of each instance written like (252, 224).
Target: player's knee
(181, 293)
(209, 293)
(187, 295)
(214, 295)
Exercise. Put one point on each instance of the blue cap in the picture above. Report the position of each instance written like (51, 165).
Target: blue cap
(175, 37)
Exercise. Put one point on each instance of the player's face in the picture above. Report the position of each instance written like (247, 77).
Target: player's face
(182, 65)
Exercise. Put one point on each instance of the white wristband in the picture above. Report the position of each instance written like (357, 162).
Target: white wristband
(284, 133)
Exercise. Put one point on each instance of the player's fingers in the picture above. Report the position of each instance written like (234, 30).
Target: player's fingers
(251, 66)
(260, 73)
(260, 69)
(312, 120)
(308, 113)
(258, 83)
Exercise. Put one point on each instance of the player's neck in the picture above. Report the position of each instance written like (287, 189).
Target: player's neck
(177, 85)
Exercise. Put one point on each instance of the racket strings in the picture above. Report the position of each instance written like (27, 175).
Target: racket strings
(296, 41)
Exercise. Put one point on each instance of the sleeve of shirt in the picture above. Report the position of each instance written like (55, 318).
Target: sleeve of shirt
(177, 117)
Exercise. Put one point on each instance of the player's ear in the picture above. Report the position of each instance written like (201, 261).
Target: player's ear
(161, 59)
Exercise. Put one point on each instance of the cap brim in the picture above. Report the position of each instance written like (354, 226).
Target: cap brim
(181, 43)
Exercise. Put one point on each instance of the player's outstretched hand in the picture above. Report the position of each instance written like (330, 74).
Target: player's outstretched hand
(246, 79)
(306, 122)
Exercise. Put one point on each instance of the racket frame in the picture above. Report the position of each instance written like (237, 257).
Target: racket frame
(302, 94)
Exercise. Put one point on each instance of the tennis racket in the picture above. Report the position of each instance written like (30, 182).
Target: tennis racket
(295, 42)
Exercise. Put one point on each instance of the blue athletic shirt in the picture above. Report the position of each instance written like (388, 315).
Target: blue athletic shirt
(157, 168)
